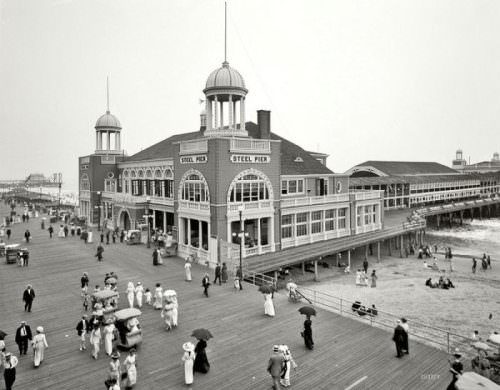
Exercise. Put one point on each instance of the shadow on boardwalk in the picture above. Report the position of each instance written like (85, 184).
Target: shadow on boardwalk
(346, 350)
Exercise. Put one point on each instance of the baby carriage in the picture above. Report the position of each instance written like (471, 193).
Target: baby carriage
(293, 294)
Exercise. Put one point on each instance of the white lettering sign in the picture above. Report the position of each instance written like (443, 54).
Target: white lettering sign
(197, 159)
(250, 158)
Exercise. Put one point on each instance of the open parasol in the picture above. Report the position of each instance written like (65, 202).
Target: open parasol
(494, 338)
(169, 293)
(291, 286)
(111, 281)
(202, 334)
(266, 289)
(307, 310)
(125, 314)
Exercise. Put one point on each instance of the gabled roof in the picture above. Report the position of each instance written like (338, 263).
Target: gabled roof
(402, 168)
(290, 163)
(162, 149)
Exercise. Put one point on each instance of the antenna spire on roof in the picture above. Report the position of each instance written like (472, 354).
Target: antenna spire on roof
(107, 94)
(225, 32)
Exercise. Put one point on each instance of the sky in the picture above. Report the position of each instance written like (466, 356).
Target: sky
(359, 80)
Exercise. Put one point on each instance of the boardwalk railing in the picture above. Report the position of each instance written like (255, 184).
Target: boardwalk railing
(440, 338)
(258, 279)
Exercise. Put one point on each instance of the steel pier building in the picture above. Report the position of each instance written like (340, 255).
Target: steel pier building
(231, 175)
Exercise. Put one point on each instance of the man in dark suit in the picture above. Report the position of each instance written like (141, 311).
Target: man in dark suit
(23, 335)
(217, 274)
(398, 338)
(275, 366)
(28, 296)
(83, 328)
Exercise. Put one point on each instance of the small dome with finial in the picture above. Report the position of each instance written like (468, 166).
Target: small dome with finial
(108, 121)
(225, 77)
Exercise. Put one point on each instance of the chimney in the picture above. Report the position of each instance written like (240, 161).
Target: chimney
(264, 122)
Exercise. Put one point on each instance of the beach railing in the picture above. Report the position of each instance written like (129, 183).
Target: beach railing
(431, 335)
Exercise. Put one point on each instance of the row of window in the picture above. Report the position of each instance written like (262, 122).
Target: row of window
(303, 224)
(294, 186)
(160, 188)
(249, 188)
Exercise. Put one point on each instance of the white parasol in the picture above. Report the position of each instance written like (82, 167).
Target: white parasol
(472, 381)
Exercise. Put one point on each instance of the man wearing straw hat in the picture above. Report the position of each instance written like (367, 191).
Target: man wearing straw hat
(9, 372)
(275, 366)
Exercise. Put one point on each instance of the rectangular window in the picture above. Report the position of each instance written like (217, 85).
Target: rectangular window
(330, 217)
(301, 224)
(286, 226)
(359, 216)
(316, 225)
(295, 186)
(341, 218)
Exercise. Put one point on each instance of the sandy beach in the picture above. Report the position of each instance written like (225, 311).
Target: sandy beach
(401, 291)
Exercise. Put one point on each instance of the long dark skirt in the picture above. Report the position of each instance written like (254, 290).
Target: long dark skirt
(201, 363)
(308, 339)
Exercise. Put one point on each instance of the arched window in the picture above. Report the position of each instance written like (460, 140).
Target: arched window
(194, 187)
(85, 183)
(250, 186)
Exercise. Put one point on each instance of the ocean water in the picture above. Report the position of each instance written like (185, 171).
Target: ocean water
(472, 238)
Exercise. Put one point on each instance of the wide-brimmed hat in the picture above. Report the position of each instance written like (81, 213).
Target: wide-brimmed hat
(115, 355)
(139, 283)
(39, 329)
(276, 348)
(23, 322)
(188, 346)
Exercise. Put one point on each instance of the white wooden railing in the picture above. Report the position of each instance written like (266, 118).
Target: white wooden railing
(367, 195)
(312, 200)
(250, 145)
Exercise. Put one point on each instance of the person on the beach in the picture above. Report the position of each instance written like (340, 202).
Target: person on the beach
(365, 265)
(488, 260)
(474, 265)
(374, 279)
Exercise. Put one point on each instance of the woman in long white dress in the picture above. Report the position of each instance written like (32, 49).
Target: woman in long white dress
(187, 269)
(358, 277)
(158, 297)
(188, 359)
(108, 332)
(167, 313)
(268, 305)
(130, 294)
(139, 291)
(289, 364)
(175, 311)
(95, 339)
(39, 344)
(130, 368)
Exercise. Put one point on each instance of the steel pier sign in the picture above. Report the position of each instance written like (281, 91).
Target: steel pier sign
(250, 158)
(195, 159)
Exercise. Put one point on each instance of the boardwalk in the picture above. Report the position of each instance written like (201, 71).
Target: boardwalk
(347, 351)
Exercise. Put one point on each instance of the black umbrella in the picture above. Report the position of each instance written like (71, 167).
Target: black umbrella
(266, 289)
(202, 334)
(2, 334)
(307, 310)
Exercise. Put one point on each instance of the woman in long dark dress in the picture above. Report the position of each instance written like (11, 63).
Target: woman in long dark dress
(201, 363)
(307, 333)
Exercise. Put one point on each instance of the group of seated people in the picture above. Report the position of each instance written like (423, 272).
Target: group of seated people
(434, 265)
(441, 283)
(357, 307)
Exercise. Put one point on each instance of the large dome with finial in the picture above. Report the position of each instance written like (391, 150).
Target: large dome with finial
(108, 121)
(225, 77)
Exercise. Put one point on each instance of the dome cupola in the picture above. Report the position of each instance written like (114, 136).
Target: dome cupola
(107, 128)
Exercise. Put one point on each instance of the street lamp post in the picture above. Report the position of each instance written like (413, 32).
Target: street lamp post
(241, 236)
(99, 210)
(148, 244)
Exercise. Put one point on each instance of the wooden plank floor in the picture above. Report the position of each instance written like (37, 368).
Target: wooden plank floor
(346, 350)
